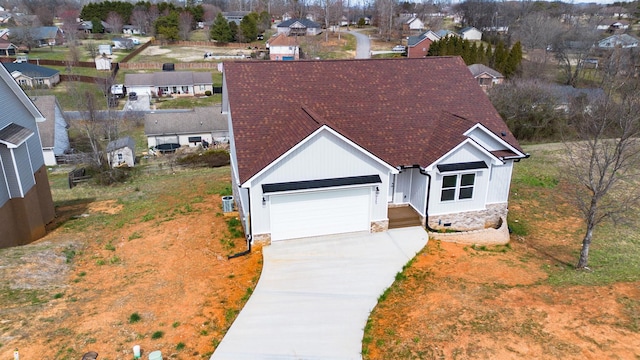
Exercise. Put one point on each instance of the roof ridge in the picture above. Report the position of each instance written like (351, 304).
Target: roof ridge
(312, 114)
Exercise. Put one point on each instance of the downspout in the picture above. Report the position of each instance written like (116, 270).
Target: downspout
(249, 234)
(426, 208)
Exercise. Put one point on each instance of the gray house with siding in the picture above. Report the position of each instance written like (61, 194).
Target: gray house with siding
(53, 130)
(186, 128)
(26, 205)
(179, 83)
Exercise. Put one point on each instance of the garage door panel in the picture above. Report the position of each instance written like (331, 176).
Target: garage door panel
(319, 213)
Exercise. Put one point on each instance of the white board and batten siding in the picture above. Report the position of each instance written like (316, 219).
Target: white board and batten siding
(463, 154)
(499, 183)
(324, 155)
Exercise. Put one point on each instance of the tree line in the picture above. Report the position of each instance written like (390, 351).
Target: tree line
(504, 60)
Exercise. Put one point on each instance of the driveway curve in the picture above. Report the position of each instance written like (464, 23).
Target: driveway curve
(314, 296)
(363, 45)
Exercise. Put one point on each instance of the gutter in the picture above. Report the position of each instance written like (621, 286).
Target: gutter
(426, 208)
(249, 235)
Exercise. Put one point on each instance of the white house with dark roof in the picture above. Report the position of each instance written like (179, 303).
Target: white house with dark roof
(186, 128)
(53, 130)
(26, 205)
(283, 47)
(471, 33)
(299, 27)
(181, 83)
(29, 75)
(329, 156)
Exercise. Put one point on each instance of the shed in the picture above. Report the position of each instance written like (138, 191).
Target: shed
(122, 152)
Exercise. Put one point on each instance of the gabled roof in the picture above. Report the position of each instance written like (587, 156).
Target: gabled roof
(5, 44)
(121, 143)
(198, 120)
(427, 35)
(479, 69)
(31, 70)
(467, 29)
(305, 22)
(443, 33)
(624, 40)
(168, 78)
(47, 106)
(405, 112)
(283, 40)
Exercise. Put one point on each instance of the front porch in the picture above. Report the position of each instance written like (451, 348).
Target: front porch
(403, 216)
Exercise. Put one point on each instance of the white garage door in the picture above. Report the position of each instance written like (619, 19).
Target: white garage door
(320, 213)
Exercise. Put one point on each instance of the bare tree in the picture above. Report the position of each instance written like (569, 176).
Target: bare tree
(115, 20)
(385, 10)
(537, 31)
(605, 160)
(571, 49)
(185, 25)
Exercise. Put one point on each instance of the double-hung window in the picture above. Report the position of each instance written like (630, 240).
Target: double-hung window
(457, 187)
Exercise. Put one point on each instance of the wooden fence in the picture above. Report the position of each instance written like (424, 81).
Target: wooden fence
(77, 176)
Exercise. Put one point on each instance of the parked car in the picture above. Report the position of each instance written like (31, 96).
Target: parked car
(398, 48)
(133, 96)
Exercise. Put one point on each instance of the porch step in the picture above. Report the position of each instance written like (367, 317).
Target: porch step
(403, 216)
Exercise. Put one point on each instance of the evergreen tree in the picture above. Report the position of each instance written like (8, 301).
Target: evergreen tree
(500, 57)
(220, 30)
(488, 56)
(514, 60)
(249, 27)
(97, 27)
(233, 28)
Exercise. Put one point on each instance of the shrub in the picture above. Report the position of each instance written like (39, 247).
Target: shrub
(208, 158)
(207, 93)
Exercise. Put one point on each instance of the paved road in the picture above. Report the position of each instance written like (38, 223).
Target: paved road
(315, 295)
(363, 45)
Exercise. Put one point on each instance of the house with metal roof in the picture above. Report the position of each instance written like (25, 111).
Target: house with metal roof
(26, 205)
(33, 76)
(53, 130)
(168, 130)
(174, 83)
(314, 154)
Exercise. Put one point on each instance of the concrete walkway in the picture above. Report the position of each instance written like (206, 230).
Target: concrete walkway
(315, 295)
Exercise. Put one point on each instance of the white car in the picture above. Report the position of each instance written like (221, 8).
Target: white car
(398, 48)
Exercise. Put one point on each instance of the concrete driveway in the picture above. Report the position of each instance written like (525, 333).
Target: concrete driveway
(315, 295)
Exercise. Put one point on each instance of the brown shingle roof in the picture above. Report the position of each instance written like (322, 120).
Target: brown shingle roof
(284, 40)
(406, 112)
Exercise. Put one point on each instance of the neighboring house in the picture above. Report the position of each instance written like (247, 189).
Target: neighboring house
(26, 205)
(313, 154)
(186, 128)
(413, 24)
(446, 33)
(131, 30)
(284, 47)
(105, 49)
(620, 40)
(169, 83)
(418, 46)
(7, 48)
(486, 76)
(613, 25)
(121, 152)
(235, 16)
(33, 76)
(299, 27)
(86, 26)
(471, 34)
(43, 36)
(53, 130)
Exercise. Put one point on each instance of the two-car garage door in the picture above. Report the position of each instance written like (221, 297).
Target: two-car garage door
(322, 212)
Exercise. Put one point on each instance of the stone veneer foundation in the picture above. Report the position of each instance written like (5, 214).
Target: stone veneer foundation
(379, 226)
(470, 220)
(490, 236)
